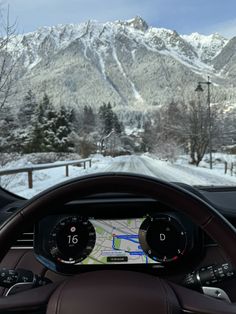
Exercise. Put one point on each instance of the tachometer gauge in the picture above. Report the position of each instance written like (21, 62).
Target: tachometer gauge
(163, 238)
(72, 240)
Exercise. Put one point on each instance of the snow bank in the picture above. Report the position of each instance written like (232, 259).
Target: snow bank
(146, 164)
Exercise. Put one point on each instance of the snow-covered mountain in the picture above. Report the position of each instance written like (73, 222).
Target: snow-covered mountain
(207, 47)
(33, 47)
(126, 62)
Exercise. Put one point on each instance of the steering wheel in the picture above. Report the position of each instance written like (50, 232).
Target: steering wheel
(116, 291)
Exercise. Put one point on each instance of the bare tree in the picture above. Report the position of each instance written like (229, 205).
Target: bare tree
(187, 125)
(180, 127)
(8, 59)
(198, 130)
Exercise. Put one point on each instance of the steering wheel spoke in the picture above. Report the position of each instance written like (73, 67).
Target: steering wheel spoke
(196, 303)
(30, 300)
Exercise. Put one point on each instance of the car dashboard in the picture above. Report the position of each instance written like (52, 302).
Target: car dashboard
(120, 231)
(117, 233)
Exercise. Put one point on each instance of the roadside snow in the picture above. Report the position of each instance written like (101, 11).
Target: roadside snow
(43, 179)
(181, 171)
(188, 174)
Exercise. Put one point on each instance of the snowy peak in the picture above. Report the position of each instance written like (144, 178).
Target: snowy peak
(194, 49)
(137, 23)
(174, 42)
(225, 60)
(207, 47)
(33, 47)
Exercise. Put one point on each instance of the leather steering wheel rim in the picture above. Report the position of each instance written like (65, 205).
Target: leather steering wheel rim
(200, 212)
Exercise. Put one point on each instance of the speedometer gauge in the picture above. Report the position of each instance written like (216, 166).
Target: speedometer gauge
(72, 240)
(163, 238)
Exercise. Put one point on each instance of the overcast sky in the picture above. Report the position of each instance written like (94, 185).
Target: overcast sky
(185, 16)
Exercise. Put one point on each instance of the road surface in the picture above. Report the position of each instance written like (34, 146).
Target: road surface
(169, 172)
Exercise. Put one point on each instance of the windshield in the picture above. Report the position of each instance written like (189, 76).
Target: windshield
(136, 86)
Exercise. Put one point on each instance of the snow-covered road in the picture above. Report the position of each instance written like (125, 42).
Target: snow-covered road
(170, 172)
(144, 164)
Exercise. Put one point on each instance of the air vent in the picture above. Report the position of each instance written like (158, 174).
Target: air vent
(25, 241)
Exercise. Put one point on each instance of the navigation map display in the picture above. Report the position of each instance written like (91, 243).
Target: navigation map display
(117, 242)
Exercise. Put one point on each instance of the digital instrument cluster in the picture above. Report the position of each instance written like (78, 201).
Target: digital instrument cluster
(72, 240)
(67, 241)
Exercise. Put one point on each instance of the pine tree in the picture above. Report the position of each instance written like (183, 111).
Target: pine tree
(35, 141)
(27, 110)
(109, 120)
(49, 124)
(106, 118)
(9, 141)
(88, 120)
(52, 128)
(25, 115)
(63, 124)
(118, 126)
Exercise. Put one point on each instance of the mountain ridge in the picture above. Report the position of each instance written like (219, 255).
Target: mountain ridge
(161, 38)
(131, 64)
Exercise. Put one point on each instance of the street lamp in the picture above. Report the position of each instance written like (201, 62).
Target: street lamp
(200, 89)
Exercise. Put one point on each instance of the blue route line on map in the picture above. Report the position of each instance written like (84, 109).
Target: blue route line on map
(129, 237)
